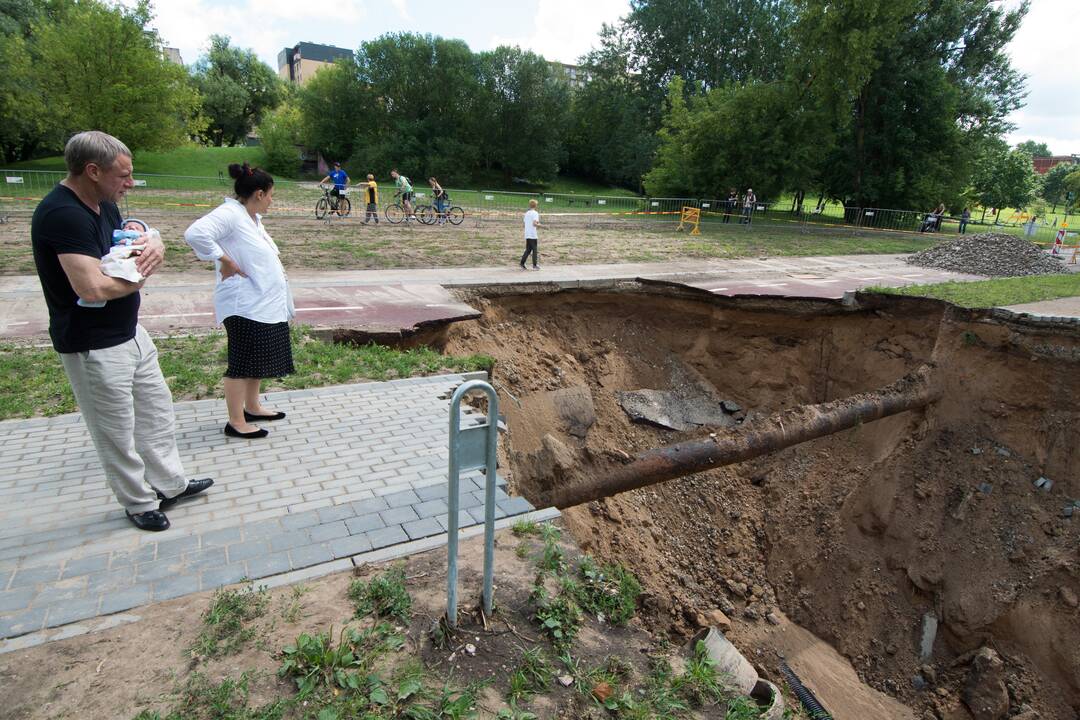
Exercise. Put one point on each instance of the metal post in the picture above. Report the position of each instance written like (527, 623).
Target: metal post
(470, 449)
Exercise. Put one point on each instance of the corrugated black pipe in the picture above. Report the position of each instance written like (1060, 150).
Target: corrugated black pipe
(809, 701)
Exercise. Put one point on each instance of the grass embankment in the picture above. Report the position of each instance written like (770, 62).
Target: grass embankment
(32, 380)
(994, 293)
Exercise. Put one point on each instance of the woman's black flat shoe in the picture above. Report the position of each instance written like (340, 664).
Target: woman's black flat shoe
(256, 418)
(233, 432)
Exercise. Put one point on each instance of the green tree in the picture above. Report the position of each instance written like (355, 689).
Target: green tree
(282, 135)
(1054, 188)
(1003, 178)
(335, 107)
(1034, 149)
(610, 138)
(526, 111)
(101, 68)
(237, 88)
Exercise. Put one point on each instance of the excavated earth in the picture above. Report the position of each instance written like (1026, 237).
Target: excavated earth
(852, 540)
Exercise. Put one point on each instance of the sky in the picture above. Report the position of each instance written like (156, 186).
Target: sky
(1044, 48)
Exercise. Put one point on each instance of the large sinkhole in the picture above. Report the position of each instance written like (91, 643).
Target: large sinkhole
(857, 537)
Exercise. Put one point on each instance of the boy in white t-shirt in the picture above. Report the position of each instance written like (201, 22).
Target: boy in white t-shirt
(532, 222)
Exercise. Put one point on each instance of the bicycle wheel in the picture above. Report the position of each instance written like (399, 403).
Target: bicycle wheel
(394, 213)
(321, 208)
(344, 207)
(426, 214)
(455, 215)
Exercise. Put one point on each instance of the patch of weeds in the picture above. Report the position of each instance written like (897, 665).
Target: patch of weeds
(225, 622)
(559, 617)
(553, 559)
(228, 700)
(523, 527)
(383, 596)
(742, 708)
(700, 684)
(513, 713)
(292, 608)
(610, 591)
(314, 662)
(406, 696)
(532, 675)
(522, 550)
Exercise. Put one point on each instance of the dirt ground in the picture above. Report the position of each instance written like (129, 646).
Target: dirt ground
(142, 666)
(857, 536)
(350, 245)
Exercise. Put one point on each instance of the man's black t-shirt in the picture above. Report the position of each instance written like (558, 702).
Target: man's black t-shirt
(62, 224)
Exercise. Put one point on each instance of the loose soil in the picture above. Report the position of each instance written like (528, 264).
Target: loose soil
(857, 536)
(350, 245)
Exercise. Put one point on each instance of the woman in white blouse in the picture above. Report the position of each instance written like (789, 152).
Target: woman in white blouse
(251, 298)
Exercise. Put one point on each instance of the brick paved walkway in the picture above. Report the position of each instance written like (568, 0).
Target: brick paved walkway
(351, 469)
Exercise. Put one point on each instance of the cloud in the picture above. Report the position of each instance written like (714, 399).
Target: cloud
(1042, 49)
(564, 30)
(402, 8)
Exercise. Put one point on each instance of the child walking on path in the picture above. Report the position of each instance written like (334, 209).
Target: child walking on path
(532, 222)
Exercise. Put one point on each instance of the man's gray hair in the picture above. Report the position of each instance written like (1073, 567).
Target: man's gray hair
(92, 146)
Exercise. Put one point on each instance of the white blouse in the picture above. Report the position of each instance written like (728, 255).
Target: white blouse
(264, 295)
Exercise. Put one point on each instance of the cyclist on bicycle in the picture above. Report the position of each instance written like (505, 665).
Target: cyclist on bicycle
(340, 178)
(404, 189)
(440, 197)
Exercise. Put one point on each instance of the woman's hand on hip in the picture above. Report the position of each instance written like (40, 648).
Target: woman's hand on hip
(229, 268)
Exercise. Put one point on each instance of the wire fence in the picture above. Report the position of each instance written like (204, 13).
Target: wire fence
(21, 190)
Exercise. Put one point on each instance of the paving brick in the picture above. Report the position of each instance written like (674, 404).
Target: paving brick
(177, 546)
(431, 508)
(247, 550)
(17, 599)
(432, 492)
(335, 512)
(226, 575)
(329, 531)
(123, 558)
(28, 577)
(125, 599)
(300, 520)
(515, 506)
(258, 529)
(221, 538)
(310, 555)
(296, 538)
(21, 623)
(174, 587)
(401, 499)
(61, 591)
(364, 523)
(149, 572)
(5, 575)
(73, 611)
(368, 505)
(422, 528)
(205, 559)
(387, 536)
(349, 546)
(398, 515)
(267, 565)
(86, 565)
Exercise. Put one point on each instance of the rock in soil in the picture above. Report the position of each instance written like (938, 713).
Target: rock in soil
(985, 693)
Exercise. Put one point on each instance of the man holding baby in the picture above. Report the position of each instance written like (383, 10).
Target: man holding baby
(109, 358)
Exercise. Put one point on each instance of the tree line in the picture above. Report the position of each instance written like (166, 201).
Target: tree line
(883, 103)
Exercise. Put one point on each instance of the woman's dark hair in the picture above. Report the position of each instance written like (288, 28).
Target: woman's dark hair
(249, 179)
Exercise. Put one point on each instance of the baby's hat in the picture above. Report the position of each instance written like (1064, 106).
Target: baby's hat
(145, 227)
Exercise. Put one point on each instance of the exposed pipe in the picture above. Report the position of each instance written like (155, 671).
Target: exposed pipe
(809, 701)
(750, 440)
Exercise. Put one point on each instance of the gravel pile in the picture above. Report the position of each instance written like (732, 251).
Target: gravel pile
(991, 254)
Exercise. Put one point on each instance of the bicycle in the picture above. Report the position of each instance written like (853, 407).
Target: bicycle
(395, 212)
(328, 203)
(429, 214)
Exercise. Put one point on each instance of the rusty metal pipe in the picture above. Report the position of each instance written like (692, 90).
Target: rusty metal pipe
(753, 439)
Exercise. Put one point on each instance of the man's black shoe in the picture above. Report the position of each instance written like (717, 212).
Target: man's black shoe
(194, 487)
(153, 520)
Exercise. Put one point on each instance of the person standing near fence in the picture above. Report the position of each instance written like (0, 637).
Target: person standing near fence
(730, 204)
(965, 217)
(109, 358)
(748, 206)
(532, 239)
(251, 297)
(371, 194)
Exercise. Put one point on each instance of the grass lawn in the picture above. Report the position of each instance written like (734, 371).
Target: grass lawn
(32, 381)
(187, 160)
(995, 293)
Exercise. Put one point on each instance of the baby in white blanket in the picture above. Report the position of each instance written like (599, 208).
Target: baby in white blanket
(120, 260)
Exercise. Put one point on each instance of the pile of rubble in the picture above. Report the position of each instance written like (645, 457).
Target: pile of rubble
(991, 254)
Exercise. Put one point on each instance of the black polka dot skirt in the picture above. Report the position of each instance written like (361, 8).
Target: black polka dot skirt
(258, 350)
